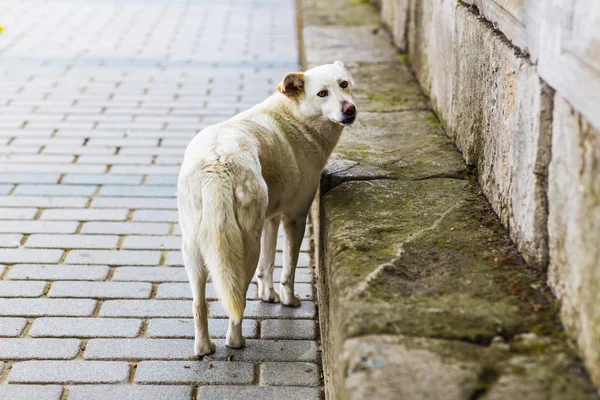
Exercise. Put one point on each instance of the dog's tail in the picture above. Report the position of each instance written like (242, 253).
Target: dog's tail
(223, 244)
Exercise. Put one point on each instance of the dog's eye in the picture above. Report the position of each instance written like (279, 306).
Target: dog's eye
(323, 93)
(344, 84)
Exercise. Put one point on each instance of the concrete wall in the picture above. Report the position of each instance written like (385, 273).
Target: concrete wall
(516, 85)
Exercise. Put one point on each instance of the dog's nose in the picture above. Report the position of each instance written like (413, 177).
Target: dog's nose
(348, 109)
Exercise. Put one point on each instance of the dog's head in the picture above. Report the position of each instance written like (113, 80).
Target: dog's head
(324, 91)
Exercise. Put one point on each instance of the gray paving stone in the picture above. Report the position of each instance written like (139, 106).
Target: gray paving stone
(54, 190)
(24, 349)
(303, 259)
(72, 241)
(22, 288)
(160, 180)
(133, 202)
(10, 240)
(17, 213)
(156, 215)
(128, 349)
(30, 392)
(151, 274)
(86, 214)
(85, 327)
(184, 328)
(67, 372)
(47, 307)
(126, 228)
(267, 350)
(289, 374)
(152, 242)
(258, 392)
(101, 179)
(139, 191)
(100, 290)
(304, 290)
(260, 309)
(183, 291)
(130, 392)
(146, 308)
(39, 226)
(59, 272)
(195, 372)
(6, 188)
(288, 329)
(13, 256)
(113, 257)
(30, 178)
(12, 327)
(45, 202)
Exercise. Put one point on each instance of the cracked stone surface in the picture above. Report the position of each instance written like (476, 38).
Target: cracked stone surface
(422, 293)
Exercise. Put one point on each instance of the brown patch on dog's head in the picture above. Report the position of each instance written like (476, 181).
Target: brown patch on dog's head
(292, 85)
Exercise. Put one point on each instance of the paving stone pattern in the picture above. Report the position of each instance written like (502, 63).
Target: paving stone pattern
(98, 100)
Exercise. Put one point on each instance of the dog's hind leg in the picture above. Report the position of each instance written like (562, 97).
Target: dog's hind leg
(294, 233)
(197, 273)
(266, 263)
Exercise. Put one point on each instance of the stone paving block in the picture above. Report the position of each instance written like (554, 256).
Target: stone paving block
(138, 191)
(126, 228)
(12, 327)
(100, 290)
(258, 392)
(127, 349)
(145, 308)
(162, 180)
(183, 291)
(184, 328)
(156, 215)
(133, 202)
(289, 374)
(22, 288)
(39, 226)
(267, 350)
(303, 259)
(151, 274)
(10, 240)
(288, 329)
(303, 275)
(24, 349)
(304, 291)
(6, 188)
(13, 256)
(54, 190)
(78, 150)
(152, 242)
(59, 272)
(72, 241)
(54, 168)
(73, 371)
(85, 327)
(30, 178)
(45, 202)
(101, 179)
(140, 169)
(94, 142)
(130, 392)
(30, 392)
(195, 372)
(113, 257)
(260, 309)
(47, 307)
(17, 213)
(86, 214)
(113, 160)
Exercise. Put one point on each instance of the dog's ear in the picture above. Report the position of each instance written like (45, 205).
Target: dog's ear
(292, 85)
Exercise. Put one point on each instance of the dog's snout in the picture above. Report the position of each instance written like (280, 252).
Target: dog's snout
(348, 109)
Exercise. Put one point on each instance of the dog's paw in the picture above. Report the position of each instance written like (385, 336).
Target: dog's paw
(202, 349)
(270, 296)
(235, 342)
(291, 301)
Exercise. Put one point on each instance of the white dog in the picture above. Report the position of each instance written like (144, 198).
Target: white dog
(244, 176)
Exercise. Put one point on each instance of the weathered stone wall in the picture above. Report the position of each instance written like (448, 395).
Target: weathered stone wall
(491, 68)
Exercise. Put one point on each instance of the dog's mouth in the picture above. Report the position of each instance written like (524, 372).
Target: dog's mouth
(345, 122)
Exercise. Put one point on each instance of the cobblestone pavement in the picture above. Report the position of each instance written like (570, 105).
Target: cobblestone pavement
(98, 100)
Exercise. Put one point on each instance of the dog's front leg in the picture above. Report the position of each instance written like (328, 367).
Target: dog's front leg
(266, 263)
(294, 233)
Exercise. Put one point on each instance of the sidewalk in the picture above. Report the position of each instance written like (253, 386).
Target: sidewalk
(98, 100)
